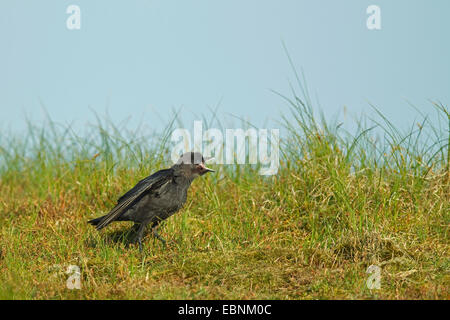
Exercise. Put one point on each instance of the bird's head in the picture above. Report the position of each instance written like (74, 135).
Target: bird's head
(191, 165)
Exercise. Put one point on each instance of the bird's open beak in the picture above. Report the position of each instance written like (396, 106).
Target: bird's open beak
(205, 169)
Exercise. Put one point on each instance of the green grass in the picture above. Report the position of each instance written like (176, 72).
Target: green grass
(340, 203)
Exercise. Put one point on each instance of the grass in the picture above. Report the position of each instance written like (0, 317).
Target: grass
(339, 203)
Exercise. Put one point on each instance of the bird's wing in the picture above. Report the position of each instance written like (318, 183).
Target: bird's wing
(126, 201)
(144, 184)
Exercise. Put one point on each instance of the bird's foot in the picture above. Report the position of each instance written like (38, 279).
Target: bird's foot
(135, 240)
(157, 236)
(163, 241)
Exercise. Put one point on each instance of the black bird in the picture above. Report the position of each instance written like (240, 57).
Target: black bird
(156, 197)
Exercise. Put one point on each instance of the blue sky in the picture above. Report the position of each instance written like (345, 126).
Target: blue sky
(143, 58)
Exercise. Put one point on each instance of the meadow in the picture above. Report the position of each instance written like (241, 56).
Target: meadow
(340, 203)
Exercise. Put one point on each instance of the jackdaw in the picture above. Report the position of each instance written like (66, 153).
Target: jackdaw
(156, 197)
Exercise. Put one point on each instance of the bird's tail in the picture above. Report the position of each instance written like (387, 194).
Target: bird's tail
(96, 221)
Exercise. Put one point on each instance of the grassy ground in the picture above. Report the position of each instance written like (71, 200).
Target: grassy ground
(339, 204)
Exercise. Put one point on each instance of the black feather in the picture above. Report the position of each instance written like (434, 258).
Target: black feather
(135, 194)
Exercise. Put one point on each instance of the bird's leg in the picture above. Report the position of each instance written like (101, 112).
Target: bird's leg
(156, 234)
(139, 233)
